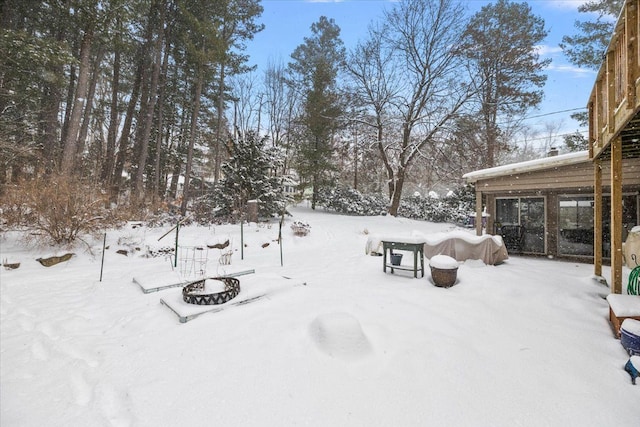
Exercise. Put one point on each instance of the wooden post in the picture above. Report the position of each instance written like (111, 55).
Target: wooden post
(490, 201)
(592, 128)
(611, 91)
(631, 30)
(616, 215)
(479, 213)
(597, 217)
(252, 210)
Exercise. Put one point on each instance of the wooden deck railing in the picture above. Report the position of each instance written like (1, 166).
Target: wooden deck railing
(615, 97)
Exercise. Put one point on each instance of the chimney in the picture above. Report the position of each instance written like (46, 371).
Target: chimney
(552, 152)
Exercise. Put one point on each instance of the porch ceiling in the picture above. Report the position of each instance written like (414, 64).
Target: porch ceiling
(630, 140)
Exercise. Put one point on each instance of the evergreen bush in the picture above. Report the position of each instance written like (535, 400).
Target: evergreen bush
(248, 175)
(454, 207)
(349, 201)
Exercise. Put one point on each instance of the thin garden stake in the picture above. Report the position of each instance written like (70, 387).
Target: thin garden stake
(104, 244)
(241, 238)
(175, 259)
(280, 238)
(177, 227)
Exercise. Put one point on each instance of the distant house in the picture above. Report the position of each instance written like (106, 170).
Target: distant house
(546, 206)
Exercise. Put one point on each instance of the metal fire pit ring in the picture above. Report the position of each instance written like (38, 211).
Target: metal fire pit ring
(191, 295)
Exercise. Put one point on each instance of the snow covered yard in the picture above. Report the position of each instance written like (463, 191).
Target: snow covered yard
(335, 342)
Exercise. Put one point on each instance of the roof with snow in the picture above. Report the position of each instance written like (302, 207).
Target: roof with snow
(528, 166)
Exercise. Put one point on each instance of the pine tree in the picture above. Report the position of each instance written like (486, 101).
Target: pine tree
(314, 72)
(249, 175)
(500, 44)
(586, 48)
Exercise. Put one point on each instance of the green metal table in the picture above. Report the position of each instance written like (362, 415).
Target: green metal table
(416, 248)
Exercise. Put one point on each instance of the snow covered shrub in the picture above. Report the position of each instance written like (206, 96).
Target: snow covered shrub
(56, 209)
(248, 175)
(454, 207)
(425, 208)
(461, 202)
(348, 201)
(214, 207)
(300, 228)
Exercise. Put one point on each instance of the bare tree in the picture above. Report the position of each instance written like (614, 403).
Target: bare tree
(412, 84)
(248, 102)
(281, 103)
(376, 85)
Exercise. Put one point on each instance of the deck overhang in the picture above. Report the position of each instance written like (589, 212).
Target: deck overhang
(614, 127)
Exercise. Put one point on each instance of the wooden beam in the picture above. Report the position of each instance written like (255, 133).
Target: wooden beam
(616, 215)
(479, 212)
(597, 218)
(601, 116)
(490, 201)
(611, 92)
(631, 29)
(592, 129)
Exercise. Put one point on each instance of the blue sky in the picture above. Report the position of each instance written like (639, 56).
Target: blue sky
(287, 22)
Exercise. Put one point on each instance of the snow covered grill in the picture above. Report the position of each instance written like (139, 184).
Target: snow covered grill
(193, 293)
(630, 336)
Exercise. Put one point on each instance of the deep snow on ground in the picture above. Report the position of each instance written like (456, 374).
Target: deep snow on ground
(337, 343)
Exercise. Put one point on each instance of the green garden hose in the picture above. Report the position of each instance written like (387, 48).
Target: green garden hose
(634, 281)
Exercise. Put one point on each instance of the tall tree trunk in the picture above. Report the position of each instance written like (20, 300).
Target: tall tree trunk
(398, 184)
(177, 166)
(315, 175)
(175, 177)
(123, 144)
(159, 134)
(88, 109)
(70, 143)
(355, 160)
(50, 137)
(385, 159)
(218, 147)
(109, 161)
(192, 139)
(138, 184)
(67, 110)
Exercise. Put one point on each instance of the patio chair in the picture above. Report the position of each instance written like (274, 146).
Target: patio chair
(512, 235)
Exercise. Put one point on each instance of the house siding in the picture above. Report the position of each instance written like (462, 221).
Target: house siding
(577, 177)
(552, 183)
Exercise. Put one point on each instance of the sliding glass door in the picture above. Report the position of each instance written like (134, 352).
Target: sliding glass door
(575, 223)
(521, 223)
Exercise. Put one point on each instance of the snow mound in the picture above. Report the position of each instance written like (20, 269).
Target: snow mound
(635, 361)
(632, 326)
(340, 335)
(443, 262)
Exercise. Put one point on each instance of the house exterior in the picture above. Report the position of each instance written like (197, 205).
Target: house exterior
(546, 206)
(579, 205)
